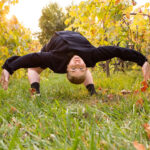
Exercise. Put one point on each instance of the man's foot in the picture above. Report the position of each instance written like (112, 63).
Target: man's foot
(34, 93)
(4, 79)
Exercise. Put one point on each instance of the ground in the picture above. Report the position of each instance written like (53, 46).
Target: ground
(65, 117)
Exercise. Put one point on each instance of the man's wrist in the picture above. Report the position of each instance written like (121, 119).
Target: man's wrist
(145, 64)
(5, 66)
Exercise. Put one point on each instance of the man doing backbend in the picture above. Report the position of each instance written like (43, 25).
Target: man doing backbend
(69, 52)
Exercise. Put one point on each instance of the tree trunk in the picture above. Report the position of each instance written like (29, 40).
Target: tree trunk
(107, 68)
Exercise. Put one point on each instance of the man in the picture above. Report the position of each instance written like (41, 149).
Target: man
(70, 52)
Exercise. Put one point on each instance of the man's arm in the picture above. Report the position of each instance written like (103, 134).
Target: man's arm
(41, 59)
(4, 79)
(107, 52)
(27, 61)
(146, 71)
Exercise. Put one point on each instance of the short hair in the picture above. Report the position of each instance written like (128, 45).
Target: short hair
(76, 80)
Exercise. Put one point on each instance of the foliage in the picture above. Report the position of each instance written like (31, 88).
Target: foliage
(112, 22)
(14, 38)
(66, 117)
(52, 20)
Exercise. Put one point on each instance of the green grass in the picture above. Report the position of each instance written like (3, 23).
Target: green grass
(65, 117)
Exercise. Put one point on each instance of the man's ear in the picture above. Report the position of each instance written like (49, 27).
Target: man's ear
(67, 67)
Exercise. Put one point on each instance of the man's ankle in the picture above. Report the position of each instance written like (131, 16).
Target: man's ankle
(36, 86)
(91, 89)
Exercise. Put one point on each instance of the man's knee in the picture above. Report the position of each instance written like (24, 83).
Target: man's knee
(34, 74)
(37, 70)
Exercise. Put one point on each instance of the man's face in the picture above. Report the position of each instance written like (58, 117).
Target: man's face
(76, 66)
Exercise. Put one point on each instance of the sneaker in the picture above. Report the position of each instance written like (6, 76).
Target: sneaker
(33, 93)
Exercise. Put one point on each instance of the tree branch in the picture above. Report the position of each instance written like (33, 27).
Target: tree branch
(138, 14)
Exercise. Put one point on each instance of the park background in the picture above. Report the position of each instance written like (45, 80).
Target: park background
(65, 116)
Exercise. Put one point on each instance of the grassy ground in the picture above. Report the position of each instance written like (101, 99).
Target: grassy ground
(65, 117)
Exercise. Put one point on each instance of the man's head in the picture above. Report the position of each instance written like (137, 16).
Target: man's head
(76, 70)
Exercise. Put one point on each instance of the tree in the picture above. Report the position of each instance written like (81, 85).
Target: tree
(112, 22)
(52, 20)
(15, 39)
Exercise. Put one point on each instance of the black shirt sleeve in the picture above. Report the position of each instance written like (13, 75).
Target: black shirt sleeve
(41, 59)
(103, 53)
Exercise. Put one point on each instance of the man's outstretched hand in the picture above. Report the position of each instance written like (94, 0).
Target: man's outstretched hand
(4, 79)
(146, 71)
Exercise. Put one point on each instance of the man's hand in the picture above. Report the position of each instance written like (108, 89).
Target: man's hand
(146, 71)
(4, 79)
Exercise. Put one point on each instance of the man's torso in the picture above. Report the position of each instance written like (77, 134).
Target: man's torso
(66, 44)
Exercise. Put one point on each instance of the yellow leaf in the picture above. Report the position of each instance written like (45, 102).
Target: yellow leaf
(67, 21)
(96, 1)
(1, 5)
(147, 5)
(128, 15)
(117, 2)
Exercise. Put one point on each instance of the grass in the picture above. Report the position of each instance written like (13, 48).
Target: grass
(65, 117)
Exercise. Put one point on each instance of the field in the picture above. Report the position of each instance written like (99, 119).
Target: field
(65, 117)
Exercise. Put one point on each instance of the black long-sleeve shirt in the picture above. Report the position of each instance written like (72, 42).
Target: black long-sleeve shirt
(63, 46)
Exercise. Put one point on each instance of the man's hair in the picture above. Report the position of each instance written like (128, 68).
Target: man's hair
(76, 80)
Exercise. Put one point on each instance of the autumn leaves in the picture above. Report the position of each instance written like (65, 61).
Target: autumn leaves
(124, 92)
(139, 146)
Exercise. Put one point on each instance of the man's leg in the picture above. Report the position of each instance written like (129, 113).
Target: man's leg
(34, 78)
(89, 83)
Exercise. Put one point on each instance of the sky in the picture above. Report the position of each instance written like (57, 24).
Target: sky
(28, 12)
